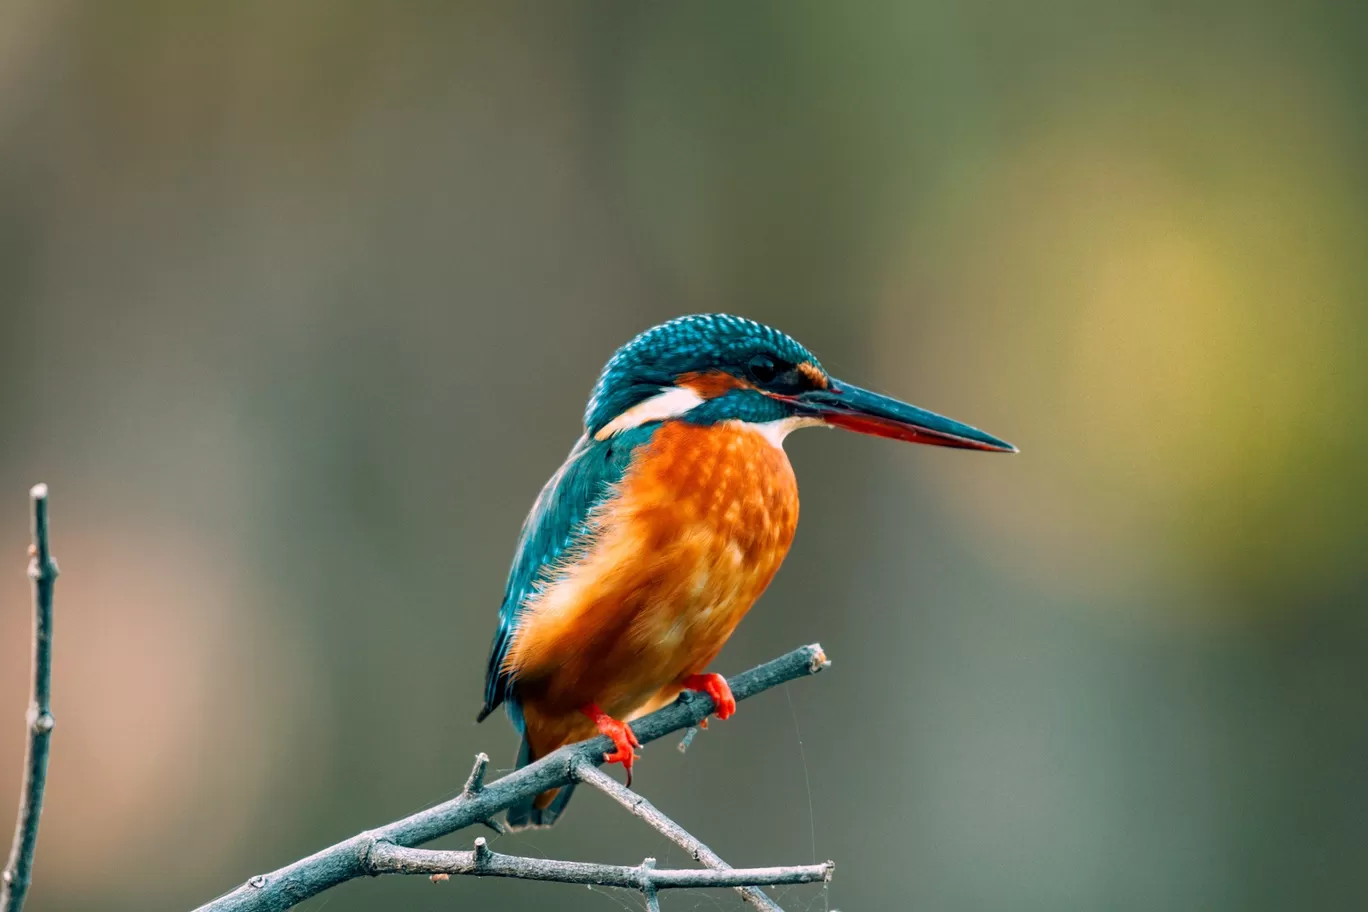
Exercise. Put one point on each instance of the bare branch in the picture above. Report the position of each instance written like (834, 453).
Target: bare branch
(640, 807)
(14, 883)
(349, 859)
(387, 858)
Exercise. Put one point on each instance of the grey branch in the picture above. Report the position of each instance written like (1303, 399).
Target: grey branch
(640, 807)
(14, 883)
(480, 801)
(387, 858)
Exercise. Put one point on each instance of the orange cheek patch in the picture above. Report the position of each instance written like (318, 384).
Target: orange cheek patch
(814, 375)
(711, 384)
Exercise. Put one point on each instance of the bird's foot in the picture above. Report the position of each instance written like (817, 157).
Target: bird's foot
(623, 738)
(715, 686)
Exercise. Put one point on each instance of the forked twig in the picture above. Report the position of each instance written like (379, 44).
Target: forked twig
(480, 801)
(640, 807)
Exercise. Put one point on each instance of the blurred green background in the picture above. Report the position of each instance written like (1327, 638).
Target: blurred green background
(301, 302)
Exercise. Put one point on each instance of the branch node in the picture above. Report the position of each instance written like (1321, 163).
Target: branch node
(475, 784)
(648, 885)
(40, 723)
(483, 856)
(366, 852)
(42, 572)
(256, 883)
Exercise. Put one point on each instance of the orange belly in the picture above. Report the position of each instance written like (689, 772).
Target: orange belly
(698, 528)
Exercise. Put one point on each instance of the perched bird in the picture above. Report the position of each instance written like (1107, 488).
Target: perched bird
(667, 521)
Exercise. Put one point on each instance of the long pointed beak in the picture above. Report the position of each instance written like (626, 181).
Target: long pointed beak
(846, 406)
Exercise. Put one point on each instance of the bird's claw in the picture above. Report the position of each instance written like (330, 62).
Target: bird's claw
(715, 686)
(622, 736)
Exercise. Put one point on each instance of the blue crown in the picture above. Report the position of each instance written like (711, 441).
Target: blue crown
(696, 343)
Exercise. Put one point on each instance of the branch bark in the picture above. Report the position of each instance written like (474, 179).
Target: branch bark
(479, 802)
(14, 883)
(638, 806)
(387, 858)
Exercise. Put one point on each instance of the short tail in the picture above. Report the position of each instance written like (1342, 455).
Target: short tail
(544, 809)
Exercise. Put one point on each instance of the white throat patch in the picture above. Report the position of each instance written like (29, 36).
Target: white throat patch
(670, 402)
(776, 431)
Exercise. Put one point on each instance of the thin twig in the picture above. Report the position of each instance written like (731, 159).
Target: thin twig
(346, 860)
(14, 883)
(689, 735)
(387, 858)
(640, 807)
(475, 783)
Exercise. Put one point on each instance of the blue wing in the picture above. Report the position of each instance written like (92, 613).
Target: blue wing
(556, 525)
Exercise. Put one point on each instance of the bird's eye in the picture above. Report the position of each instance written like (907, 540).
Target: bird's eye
(762, 368)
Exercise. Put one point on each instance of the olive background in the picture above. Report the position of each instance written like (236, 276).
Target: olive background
(300, 303)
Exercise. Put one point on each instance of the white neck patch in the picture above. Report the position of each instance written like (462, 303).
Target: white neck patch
(776, 431)
(670, 402)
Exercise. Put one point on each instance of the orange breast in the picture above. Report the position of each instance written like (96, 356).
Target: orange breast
(699, 526)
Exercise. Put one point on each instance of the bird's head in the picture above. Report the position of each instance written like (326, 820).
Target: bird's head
(708, 368)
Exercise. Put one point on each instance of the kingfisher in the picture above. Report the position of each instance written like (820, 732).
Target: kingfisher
(665, 524)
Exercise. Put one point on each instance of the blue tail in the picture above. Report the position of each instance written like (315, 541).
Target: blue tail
(526, 815)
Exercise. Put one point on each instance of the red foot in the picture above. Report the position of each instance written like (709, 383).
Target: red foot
(624, 739)
(715, 686)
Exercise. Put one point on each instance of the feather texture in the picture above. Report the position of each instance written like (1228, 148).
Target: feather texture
(556, 526)
(670, 559)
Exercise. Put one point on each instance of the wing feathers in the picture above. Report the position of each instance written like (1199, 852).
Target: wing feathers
(554, 529)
